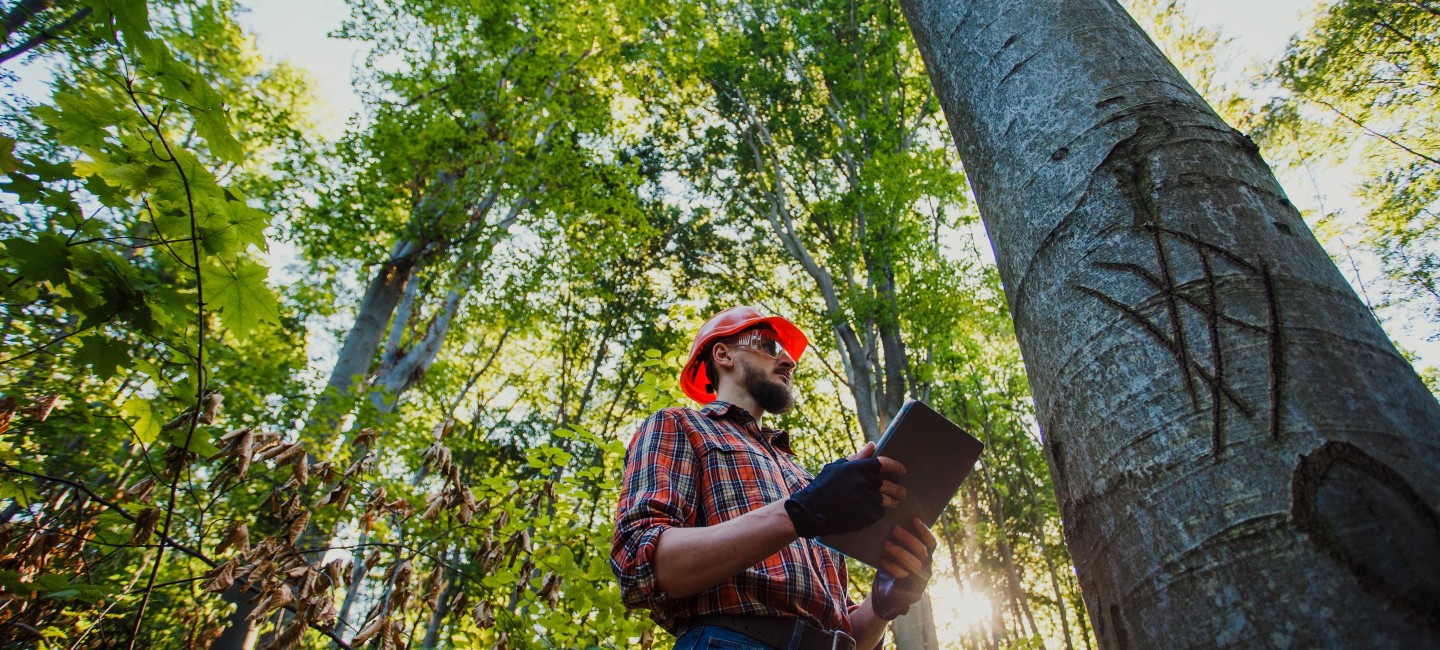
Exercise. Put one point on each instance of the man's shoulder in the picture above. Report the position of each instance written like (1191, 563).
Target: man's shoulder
(672, 413)
(673, 419)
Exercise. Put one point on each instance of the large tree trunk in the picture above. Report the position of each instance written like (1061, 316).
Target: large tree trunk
(1242, 457)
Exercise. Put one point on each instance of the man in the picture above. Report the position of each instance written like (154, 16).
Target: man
(716, 522)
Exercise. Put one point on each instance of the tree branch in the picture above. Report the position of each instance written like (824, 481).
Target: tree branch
(44, 35)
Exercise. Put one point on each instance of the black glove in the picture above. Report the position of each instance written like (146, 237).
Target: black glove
(845, 497)
(892, 598)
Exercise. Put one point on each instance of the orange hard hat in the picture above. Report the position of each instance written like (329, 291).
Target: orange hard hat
(733, 321)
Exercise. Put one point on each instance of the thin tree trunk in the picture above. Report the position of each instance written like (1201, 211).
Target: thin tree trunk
(1241, 455)
(1059, 598)
(357, 577)
(442, 609)
(1007, 554)
(357, 352)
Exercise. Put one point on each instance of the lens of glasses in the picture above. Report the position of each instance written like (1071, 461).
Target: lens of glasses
(765, 342)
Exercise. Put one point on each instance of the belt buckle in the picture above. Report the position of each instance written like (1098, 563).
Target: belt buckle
(835, 638)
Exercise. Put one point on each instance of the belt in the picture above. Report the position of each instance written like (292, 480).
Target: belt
(780, 633)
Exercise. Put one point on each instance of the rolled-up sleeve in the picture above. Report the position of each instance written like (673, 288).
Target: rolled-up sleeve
(658, 492)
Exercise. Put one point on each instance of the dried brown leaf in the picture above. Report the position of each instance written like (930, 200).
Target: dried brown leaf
(145, 524)
(222, 477)
(396, 638)
(359, 466)
(291, 508)
(365, 438)
(401, 508)
(235, 536)
(282, 596)
(323, 615)
(300, 470)
(270, 601)
(297, 527)
(287, 453)
(337, 496)
(291, 637)
(434, 584)
(142, 489)
(484, 616)
(434, 505)
(231, 435)
(221, 577)
(443, 429)
(7, 412)
(210, 407)
(323, 472)
(550, 585)
(335, 572)
(373, 628)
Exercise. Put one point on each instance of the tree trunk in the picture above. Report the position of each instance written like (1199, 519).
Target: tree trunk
(362, 342)
(1242, 458)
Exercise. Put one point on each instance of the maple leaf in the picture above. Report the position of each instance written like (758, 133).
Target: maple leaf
(238, 291)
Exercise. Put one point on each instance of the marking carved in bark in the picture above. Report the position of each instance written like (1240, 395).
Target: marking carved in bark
(1164, 314)
(1369, 519)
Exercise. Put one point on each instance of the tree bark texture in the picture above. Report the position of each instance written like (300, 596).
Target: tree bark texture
(1241, 456)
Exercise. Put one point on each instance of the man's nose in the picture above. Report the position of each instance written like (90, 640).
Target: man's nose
(785, 360)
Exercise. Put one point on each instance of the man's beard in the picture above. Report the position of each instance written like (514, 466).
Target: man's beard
(769, 394)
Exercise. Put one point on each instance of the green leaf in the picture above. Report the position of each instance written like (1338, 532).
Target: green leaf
(104, 356)
(142, 417)
(21, 492)
(230, 227)
(8, 163)
(10, 581)
(199, 441)
(213, 125)
(132, 17)
(47, 258)
(240, 295)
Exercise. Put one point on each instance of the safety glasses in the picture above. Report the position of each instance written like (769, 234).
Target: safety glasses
(763, 341)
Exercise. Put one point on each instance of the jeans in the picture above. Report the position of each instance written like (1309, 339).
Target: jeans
(707, 637)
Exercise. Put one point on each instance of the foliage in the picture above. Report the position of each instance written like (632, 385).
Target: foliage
(1359, 92)
(134, 278)
(1196, 50)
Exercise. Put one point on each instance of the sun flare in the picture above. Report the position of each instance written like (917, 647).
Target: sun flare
(959, 610)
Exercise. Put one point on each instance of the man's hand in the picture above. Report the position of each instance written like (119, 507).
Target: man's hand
(847, 495)
(904, 570)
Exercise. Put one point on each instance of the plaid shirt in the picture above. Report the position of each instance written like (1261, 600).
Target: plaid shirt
(699, 468)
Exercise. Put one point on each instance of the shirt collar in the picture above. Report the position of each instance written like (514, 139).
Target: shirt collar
(780, 438)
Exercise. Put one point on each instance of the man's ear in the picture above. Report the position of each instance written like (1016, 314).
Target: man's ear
(721, 357)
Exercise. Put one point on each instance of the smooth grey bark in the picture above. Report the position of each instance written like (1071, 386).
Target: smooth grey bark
(352, 366)
(1241, 456)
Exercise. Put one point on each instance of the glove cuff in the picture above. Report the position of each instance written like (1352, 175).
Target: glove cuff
(807, 524)
(887, 614)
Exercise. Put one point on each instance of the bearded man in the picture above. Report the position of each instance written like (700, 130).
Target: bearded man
(716, 525)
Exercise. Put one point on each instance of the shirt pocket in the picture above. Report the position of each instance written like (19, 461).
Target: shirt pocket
(738, 478)
(795, 476)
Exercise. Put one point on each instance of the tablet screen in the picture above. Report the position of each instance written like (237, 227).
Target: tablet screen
(937, 455)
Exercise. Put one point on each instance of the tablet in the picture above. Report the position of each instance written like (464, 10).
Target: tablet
(937, 456)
